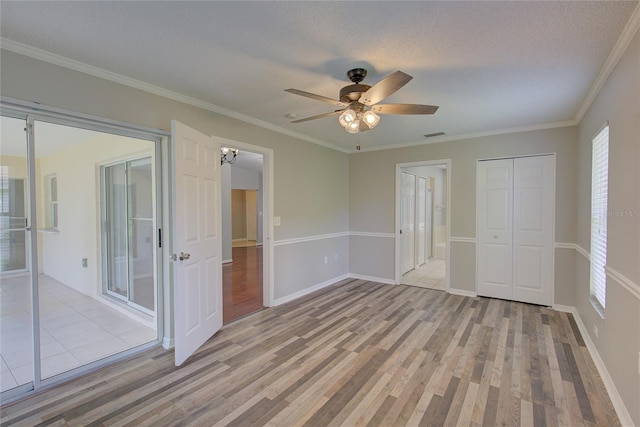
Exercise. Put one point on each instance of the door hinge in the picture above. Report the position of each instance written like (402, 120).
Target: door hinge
(159, 237)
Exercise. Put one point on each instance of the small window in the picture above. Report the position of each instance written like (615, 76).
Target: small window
(52, 186)
(599, 191)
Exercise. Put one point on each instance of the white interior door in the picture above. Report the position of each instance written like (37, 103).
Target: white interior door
(533, 212)
(198, 249)
(429, 221)
(494, 228)
(422, 217)
(408, 221)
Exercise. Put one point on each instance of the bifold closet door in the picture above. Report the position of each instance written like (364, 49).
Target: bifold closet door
(533, 229)
(515, 215)
(494, 230)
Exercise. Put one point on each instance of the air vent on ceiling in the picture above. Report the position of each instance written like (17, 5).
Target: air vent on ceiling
(431, 135)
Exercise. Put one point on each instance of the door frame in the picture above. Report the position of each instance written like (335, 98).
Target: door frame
(157, 211)
(31, 112)
(268, 293)
(398, 201)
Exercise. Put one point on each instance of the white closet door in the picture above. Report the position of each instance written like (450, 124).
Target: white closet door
(408, 221)
(494, 228)
(422, 220)
(533, 217)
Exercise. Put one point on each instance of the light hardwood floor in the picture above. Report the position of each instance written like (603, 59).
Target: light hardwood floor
(355, 353)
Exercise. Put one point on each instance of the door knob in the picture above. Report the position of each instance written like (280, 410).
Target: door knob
(184, 256)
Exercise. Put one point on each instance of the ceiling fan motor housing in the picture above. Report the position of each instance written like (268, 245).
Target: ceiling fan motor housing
(352, 92)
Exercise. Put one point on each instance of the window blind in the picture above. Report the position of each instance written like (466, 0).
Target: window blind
(599, 191)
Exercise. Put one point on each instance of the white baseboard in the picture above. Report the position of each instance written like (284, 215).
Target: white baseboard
(372, 279)
(462, 292)
(309, 290)
(168, 343)
(616, 399)
(227, 261)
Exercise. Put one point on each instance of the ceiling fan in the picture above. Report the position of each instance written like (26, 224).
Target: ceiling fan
(360, 101)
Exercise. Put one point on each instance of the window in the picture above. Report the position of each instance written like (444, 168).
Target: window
(599, 190)
(52, 192)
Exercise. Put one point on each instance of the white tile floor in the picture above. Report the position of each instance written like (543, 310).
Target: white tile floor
(75, 330)
(430, 275)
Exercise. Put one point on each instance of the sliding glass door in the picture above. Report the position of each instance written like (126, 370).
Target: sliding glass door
(79, 264)
(16, 298)
(128, 232)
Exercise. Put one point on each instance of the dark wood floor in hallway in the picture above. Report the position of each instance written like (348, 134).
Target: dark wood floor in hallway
(242, 283)
(355, 353)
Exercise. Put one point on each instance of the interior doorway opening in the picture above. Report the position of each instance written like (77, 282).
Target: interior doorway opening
(243, 210)
(423, 224)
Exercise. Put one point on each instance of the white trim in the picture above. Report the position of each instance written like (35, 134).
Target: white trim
(62, 61)
(168, 343)
(310, 238)
(616, 399)
(462, 292)
(582, 251)
(307, 291)
(227, 261)
(564, 308)
(368, 234)
(564, 245)
(629, 31)
(623, 281)
(462, 239)
(372, 279)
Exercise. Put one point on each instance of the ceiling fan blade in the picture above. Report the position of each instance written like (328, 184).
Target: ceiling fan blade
(319, 116)
(404, 109)
(385, 88)
(317, 97)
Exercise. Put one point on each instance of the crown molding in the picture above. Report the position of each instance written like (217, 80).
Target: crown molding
(460, 137)
(619, 48)
(72, 64)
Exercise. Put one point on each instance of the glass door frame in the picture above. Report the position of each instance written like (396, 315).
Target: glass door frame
(30, 113)
(104, 244)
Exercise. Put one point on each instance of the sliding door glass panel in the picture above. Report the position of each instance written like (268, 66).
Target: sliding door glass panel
(141, 244)
(80, 226)
(16, 330)
(115, 230)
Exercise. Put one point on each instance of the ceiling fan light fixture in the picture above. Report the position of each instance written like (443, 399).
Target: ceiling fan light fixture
(353, 127)
(347, 117)
(371, 119)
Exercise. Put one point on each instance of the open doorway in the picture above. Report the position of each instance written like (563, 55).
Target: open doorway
(423, 224)
(242, 212)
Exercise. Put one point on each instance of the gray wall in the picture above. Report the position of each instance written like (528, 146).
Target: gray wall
(618, 340)
(310, 181)
(372, 191)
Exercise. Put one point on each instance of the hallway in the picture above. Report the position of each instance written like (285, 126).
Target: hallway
(242, 283)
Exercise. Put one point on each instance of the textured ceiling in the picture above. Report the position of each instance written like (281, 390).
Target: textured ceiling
(490, 66)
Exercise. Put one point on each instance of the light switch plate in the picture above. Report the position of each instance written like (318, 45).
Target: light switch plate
(276, 221)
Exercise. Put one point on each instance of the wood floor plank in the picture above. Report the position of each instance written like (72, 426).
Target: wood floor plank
(353, 354)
